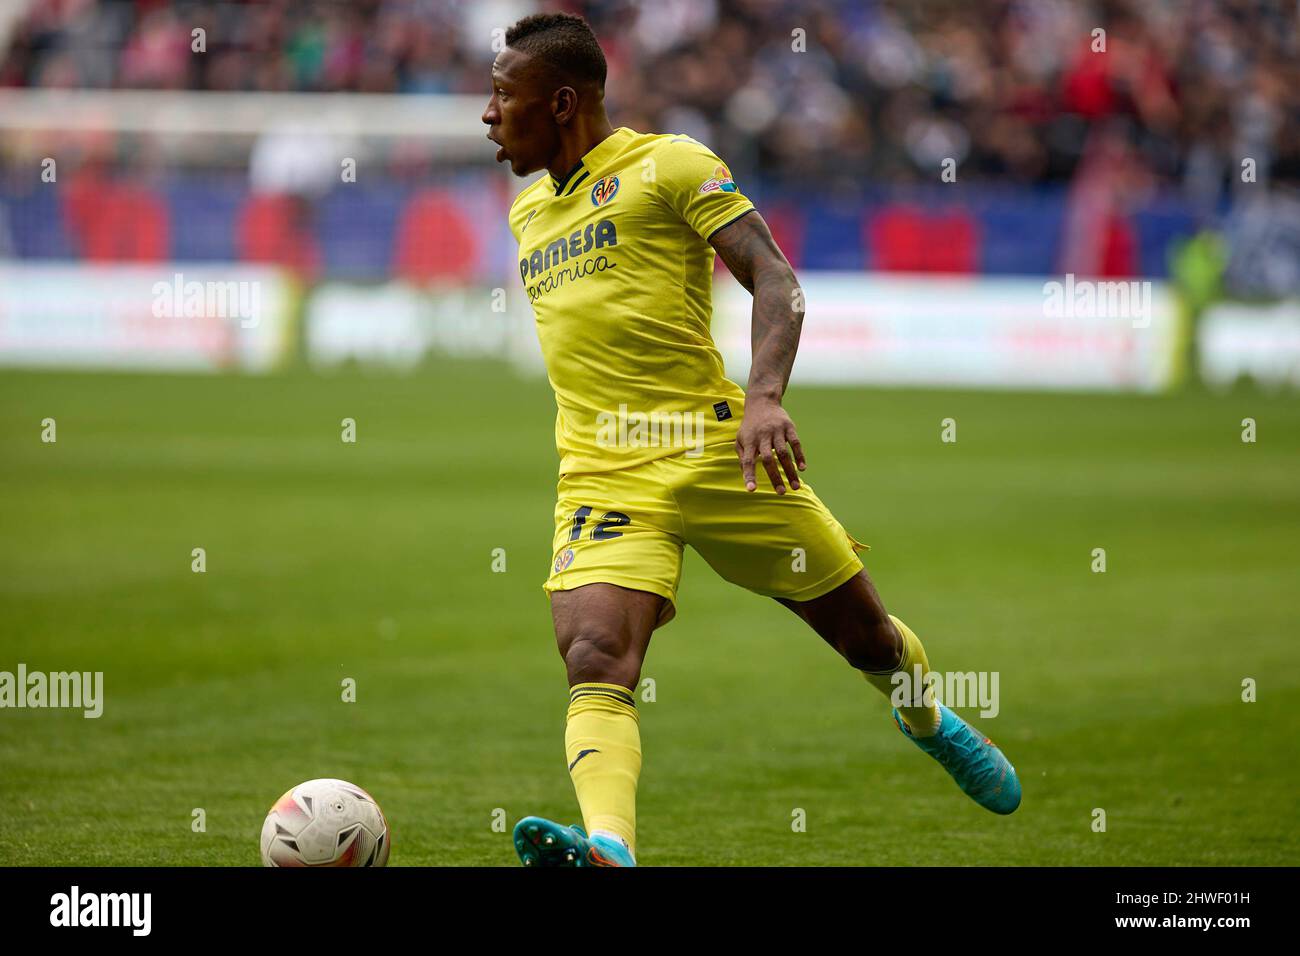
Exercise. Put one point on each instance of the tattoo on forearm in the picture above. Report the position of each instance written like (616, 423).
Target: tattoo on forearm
(754, 259)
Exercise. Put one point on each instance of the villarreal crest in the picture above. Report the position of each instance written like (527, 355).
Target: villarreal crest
(604, 191)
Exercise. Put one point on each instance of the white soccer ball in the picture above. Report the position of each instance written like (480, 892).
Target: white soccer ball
(325, 822)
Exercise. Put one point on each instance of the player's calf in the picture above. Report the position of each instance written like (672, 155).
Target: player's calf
(872, 646)
(852, 619)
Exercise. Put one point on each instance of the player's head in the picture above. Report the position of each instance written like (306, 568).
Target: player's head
(548, 79)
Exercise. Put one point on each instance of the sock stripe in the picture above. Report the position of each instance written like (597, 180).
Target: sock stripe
(614, 689)
(624, 698)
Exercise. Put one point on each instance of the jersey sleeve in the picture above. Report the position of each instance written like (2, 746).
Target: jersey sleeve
(697, 185)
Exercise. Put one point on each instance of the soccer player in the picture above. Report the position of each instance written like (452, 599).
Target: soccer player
(658, 449)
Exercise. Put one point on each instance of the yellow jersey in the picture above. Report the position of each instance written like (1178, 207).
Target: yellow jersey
(617, 265)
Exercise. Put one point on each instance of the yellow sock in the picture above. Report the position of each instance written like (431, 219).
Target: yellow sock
(602, 740)
(922, 720)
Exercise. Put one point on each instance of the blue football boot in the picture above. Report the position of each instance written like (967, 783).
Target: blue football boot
(974, 761)
(544, 843)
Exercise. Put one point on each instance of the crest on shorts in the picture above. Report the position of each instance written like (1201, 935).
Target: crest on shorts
(563, 559)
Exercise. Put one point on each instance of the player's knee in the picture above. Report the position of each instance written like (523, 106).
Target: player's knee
(595, 652)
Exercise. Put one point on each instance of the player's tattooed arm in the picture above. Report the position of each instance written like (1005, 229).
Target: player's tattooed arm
(766, 434)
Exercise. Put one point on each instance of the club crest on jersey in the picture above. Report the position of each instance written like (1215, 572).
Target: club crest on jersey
(721, 181)
(604, 191)
(563, 560)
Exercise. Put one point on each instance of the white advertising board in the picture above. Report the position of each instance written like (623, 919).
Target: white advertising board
(168, 316)
(969, 332)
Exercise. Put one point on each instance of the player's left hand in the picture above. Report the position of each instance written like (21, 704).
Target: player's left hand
(767, 434)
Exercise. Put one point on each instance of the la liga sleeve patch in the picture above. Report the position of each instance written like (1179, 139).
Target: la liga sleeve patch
(720, 182)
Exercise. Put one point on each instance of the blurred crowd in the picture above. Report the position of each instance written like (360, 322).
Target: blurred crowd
(821, 91)
(1096, 135)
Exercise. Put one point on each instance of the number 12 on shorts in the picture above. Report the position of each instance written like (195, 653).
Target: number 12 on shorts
(602, 531)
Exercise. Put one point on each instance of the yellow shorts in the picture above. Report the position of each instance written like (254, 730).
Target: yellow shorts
(628, 527)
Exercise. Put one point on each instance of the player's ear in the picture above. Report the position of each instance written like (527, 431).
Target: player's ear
(564, 105)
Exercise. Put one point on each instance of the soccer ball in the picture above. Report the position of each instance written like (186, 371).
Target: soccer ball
(325, 823)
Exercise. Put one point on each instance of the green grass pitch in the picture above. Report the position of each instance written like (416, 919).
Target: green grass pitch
(325, 560)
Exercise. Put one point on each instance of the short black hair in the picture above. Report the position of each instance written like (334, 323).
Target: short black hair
(564, 42)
